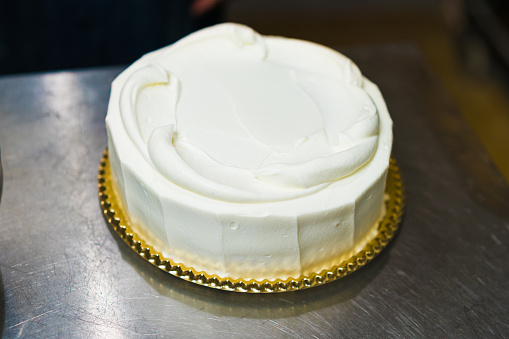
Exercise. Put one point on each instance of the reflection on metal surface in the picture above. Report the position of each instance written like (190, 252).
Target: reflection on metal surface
(64, 92)
(274, 306)
(1, 176)
(115, 217)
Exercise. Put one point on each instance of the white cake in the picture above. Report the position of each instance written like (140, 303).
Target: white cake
(247, 156)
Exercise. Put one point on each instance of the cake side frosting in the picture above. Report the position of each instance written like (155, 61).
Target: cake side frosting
(249, 156)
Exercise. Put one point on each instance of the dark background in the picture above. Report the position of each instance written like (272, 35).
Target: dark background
(41, 35)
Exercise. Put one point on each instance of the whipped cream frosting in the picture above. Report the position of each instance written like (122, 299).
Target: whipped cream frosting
(243, 118)
(249, 156)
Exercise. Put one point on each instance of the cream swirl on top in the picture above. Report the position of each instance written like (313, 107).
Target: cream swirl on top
(234, 116)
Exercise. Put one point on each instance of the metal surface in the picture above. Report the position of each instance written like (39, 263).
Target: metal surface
(1, 176)
(65, 274)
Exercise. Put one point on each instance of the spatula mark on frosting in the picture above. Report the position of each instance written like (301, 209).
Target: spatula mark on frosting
(168, 162)
(151, 75)
(319, 170)
(247, 38)
(350, 127)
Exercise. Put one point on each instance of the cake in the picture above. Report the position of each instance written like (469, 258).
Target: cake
(249, 156)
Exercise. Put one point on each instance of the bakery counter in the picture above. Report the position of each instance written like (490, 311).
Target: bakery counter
(65, 273)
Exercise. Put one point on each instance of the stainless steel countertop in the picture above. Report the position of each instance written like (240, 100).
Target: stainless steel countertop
(65, 274)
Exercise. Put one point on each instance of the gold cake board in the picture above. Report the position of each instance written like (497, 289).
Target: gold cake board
(387, 228)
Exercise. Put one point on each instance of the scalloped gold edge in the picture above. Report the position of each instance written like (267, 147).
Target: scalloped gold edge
(388, 226)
